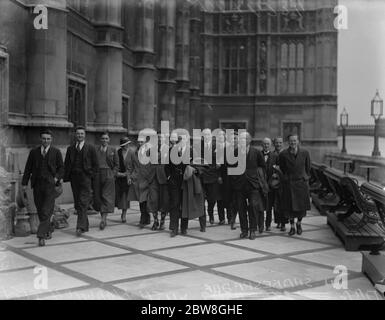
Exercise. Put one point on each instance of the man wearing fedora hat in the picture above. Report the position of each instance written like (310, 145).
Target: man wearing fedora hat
(45, 169)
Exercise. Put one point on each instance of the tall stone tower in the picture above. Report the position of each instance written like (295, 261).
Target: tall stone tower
(271, 67)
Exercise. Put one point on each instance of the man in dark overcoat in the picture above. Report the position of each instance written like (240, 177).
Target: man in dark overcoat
(81, 168)
(148, 185)
(294, 163)
(45, 169)
(174, 173)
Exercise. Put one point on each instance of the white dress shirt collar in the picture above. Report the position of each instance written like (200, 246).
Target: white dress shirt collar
(42, 149)
(80, 145)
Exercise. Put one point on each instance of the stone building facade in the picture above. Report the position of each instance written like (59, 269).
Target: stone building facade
(269, 66)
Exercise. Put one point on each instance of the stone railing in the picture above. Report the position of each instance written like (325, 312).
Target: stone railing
(357, 166)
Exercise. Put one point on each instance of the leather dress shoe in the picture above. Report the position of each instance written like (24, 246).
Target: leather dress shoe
(102, 225)
(155, 225)
(292, 231)
(173, 234)
(299, 229)
(183, 232)
(233, 227)
(48, 236)
(211, 220)
(203, 229)
(79, 232)
(41, 242)
(268, 228)
(222, 222)
(283, 228)
(260, 230)
(252, 235)
(243, 235)
(123, 218)
(278, 226)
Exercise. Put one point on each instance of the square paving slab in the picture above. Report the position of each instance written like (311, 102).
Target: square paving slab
(325, 235)
(86, 294)
(358, 289)
(118, 230)
(209, 254)
(75, 251)
(278, 273)
(278, 244)
(125, 267)
(17, 284)
(155, 240)
(218, 233)
(191, 285)
(10, 260)
(58, 237)
(335, 257)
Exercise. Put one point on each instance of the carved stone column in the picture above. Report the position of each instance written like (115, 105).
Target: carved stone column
(195, 99)
(144, 97)
(166, 62)
(108, 81)
(182, 65)
(46, 72)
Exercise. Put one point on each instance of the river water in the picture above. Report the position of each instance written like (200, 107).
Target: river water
(362, 145)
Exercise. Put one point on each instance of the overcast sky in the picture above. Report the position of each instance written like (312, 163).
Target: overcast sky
(361, 58)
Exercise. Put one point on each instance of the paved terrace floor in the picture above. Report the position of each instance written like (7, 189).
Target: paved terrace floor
(125, 262)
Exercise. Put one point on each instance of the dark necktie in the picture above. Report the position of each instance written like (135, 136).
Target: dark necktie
(78, 147)
(44, 153)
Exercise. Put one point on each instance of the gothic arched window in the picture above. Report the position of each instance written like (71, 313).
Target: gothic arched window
(292, 68)
(234, 66)
(284, 55)
(76, 102)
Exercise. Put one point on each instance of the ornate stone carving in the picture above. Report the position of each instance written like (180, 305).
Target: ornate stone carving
(262, 67)
(234, 24)
(293, 21)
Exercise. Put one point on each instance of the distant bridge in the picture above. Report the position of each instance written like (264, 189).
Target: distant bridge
(363, 130)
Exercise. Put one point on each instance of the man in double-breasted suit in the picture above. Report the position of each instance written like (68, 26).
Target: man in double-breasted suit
(250, 187)
(294, 163)
(45, 169)
(81, 168)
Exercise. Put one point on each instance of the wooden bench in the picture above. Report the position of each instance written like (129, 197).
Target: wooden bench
(322, 191)
(377, 194)
(373, 265)
(359, 226)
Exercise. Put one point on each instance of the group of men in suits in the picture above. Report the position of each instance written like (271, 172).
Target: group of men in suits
(272, 180)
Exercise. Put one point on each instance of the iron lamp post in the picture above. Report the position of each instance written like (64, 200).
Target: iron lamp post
(344, 122)
(376, 111)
